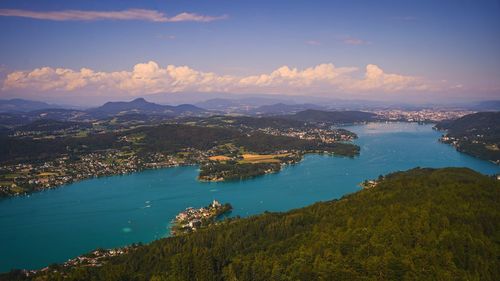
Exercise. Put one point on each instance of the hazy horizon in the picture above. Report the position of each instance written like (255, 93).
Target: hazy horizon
(264, 99)
(85, 53)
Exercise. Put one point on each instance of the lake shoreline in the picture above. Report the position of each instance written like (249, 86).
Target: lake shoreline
(105, 207)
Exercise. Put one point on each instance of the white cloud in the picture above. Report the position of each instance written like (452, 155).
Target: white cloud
(130, 14)
(294, 78)
(194, 17)
(150, 78)
(376, 79)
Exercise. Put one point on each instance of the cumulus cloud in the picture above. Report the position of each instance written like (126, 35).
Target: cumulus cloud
(151, 78)
(375, 78)
(130, 14)
(287, 77)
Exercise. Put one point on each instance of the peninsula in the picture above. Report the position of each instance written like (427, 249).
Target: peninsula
(193, 219)
(41, 157)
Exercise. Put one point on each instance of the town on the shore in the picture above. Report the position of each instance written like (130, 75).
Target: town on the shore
(193, 219)
(23, 177)
(26, 177)
(187, 221)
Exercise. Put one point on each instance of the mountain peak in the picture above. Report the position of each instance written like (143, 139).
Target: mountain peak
(139, 100)
(140, 105)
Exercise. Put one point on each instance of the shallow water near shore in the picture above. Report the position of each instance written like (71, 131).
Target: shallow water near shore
(55, 225)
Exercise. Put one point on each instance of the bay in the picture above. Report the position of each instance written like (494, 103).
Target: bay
(55, 225)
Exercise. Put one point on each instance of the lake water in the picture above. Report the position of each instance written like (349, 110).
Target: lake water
(55, 225)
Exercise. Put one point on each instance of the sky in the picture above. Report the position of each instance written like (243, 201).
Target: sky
(89, 51)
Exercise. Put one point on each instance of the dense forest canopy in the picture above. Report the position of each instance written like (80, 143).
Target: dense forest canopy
(422, 224)
(247, 121)
(159, 138)
(477, 123)
(476, 134)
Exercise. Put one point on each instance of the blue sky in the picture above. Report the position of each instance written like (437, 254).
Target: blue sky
(443, 49)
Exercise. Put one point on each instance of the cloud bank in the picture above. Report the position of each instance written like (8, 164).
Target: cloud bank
(130, 14)
(150, 78)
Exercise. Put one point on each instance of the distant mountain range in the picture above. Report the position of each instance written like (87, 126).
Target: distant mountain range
(245, 104)
(18, 113)
(281, 108)
(141, 106)
(21, 105)
(242, 105)
(312, 115)
(257, 106)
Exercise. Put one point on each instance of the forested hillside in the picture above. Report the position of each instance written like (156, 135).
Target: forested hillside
(473, 124)
(476, 134)
(161, 138)
(423, 224)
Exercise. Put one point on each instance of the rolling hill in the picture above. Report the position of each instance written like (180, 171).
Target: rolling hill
(22, 105)
(141, 106)
(476, 134)
(477, 123)
(281, 108)
(312, 115)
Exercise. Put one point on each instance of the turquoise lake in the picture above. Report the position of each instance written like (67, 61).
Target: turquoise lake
(55, 225)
